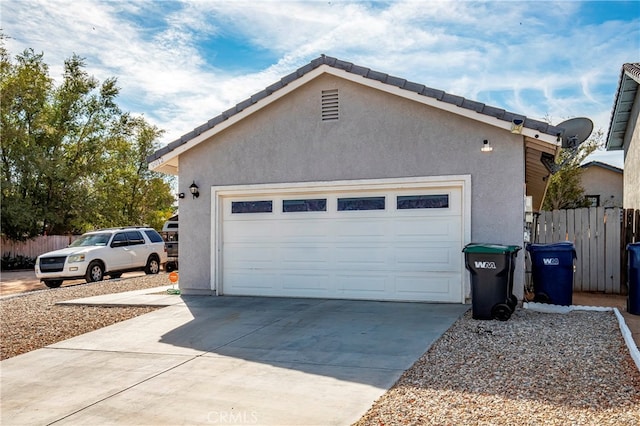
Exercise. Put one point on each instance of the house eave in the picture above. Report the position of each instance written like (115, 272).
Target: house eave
(602, 165)
(623, 104)
(173, 154)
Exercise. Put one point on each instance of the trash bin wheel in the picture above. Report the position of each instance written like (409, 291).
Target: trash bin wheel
(541, 298)
(513, 302)
(501, 312)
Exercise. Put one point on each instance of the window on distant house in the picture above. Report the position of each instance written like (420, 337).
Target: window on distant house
(594, 200)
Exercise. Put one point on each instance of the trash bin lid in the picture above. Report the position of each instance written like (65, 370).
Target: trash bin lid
(561, 246)
(635, 247)
(634, 253)
(490, 248)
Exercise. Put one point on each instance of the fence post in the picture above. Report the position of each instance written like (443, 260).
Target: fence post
(611, 246)
(577, 243)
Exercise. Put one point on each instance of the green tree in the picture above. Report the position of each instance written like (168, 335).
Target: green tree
(129, 192)
(70, 159)
(565, 189)
(25, 87)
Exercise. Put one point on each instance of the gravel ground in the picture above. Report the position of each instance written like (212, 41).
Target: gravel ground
(535, 369)
(32, 320)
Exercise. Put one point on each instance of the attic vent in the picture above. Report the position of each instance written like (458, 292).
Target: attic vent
(330, 105)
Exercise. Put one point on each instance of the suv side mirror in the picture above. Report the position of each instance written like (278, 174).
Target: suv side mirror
(119, 244)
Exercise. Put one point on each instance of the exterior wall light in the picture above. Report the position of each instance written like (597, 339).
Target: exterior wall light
(193, 188)
(486, 146)
(516, 126)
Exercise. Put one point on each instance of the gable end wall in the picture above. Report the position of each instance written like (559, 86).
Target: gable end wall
(377, 136)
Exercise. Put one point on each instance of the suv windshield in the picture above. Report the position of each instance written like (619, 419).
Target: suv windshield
(91, 240)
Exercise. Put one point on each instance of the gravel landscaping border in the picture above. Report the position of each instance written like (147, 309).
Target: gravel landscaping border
(30, 321)
(535, 369)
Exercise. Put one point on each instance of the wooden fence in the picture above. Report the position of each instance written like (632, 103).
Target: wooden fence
(600, 236)
(35, 247)
(595, 233)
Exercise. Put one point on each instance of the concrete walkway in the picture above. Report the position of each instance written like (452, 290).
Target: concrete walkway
(224, 360)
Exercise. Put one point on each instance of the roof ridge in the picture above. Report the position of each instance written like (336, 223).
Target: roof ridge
(602, 164)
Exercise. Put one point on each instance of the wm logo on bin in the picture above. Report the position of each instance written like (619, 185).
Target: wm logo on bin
(551, 261)
(485, 265)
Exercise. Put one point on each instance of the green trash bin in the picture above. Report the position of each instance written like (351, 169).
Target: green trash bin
(492, 267)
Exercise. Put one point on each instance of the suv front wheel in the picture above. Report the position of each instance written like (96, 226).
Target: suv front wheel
(95, 272)
(153, 265)
(53, 283)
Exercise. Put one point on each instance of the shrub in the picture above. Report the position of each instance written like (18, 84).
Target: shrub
(19, 262)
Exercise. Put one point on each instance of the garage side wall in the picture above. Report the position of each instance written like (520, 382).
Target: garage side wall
(376, 135)
(632, 158)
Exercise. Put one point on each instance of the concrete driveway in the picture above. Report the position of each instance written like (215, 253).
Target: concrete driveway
(226, 360)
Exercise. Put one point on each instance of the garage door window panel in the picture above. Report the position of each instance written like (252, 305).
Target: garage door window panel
(408, 202)
(361, 203)
(307, 205)
(241, 207)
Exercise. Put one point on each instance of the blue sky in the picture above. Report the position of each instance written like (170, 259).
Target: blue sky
(181, 63)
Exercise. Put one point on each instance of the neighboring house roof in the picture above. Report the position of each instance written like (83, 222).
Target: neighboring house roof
(164, 159)
(625, 96)
(603, 165)
(612, 158)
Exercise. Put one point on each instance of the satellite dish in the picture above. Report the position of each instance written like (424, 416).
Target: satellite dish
(576, 131)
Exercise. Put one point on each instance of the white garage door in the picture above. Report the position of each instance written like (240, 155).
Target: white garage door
(377, 244)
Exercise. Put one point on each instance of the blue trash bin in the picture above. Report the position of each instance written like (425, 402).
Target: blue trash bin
(552, 272)
(633, 275)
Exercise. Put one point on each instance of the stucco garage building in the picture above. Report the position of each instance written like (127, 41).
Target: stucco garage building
(342, 182)
(624, 131)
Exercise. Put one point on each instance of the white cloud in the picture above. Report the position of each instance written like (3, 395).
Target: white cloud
(613, 158)
(530, 57)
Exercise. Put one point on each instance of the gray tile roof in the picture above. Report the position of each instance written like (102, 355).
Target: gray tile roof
(633, 69)
(603, 165)
(421, 89)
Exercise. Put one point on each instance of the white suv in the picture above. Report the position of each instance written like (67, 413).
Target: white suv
(103, 252)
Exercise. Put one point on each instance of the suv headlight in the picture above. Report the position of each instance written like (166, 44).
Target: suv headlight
(76, 258)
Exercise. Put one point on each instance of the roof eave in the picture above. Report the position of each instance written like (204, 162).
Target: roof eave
(625, 95)
(602, 165)
(228, 121)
